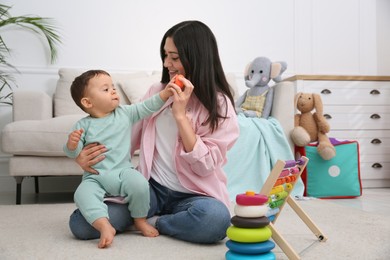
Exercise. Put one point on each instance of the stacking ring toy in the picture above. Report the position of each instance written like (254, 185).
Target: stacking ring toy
(235, 256)
(249, 235)
(251, 199)
(249, 222)
(250, 211)
(250, 248)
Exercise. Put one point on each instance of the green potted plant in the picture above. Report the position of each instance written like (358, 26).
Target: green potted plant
(41, 26)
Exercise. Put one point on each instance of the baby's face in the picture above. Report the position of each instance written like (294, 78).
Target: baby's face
(102, 95)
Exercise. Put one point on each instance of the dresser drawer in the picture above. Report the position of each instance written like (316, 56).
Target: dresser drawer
(374, 151)
(358, 117)
(350, 92)
(369, 171)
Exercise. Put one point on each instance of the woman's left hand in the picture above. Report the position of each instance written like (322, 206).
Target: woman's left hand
(180, 101)
(181, 98)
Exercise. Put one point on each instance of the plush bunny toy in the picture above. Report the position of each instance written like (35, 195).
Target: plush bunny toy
(312, 126)
(257, 101)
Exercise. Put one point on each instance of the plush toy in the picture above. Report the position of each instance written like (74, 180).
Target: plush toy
(257, 101)
(311, 127)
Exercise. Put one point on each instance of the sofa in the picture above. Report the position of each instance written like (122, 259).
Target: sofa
(41, 123)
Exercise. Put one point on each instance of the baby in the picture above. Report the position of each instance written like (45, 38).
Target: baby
(110, 124)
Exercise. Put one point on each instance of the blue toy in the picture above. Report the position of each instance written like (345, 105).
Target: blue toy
(250, 248)
(234, 256)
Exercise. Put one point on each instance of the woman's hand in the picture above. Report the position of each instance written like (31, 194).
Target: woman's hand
(180, 101)
(91, 155)
(181, 97)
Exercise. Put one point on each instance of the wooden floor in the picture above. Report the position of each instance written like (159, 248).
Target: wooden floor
(373, 200)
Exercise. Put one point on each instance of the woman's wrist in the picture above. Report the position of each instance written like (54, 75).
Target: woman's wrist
(182, 118)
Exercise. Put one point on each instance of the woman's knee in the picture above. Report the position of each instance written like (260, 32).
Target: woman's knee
(119, 217)
(215, 222)
(80, 228)
(214, 219)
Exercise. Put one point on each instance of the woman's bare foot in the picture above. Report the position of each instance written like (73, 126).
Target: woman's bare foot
(107, 232)
(146, 229)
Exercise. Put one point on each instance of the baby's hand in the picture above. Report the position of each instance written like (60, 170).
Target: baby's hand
(170, 89)
(73, 139)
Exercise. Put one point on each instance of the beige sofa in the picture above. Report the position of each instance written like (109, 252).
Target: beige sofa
(41, 123)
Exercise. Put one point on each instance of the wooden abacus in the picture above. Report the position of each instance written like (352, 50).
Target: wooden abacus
(282, 179)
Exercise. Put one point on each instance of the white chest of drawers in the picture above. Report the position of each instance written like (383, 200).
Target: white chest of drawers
(357, 108)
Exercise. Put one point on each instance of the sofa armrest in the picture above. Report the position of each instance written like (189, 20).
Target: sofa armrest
(283, 107)
(31, 105)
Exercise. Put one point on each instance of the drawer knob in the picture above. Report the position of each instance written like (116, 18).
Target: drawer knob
(327, 116)
(376, 166)
(375, 92)
(326, 91)
(376, 141)
(375, 116)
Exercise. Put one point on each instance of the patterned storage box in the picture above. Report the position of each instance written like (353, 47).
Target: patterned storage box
(338, 177)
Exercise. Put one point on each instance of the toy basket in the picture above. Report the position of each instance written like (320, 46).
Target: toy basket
(338, 177)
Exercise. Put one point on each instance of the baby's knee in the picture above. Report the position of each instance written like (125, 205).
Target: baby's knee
(137, 183)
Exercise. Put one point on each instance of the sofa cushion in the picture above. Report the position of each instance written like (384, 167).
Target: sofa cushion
(136, 87)
(38, 137)
(63, 102)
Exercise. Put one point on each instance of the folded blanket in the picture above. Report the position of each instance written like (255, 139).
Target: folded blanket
(261, 143)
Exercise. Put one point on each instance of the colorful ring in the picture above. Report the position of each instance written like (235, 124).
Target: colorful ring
(250, 248)
(249, 199)
(250, 211)
(230, 255)
(249, 235)
(249, 222)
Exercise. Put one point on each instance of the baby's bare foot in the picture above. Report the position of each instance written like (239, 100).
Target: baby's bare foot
(146, 229)
(107, 232)
(106, 237)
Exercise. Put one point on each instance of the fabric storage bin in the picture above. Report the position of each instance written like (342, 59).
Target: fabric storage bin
(338, 177)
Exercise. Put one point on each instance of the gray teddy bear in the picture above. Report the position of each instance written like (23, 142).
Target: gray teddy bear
(257, 100)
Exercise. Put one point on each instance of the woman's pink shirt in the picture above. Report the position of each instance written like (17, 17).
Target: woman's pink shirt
(200, 170)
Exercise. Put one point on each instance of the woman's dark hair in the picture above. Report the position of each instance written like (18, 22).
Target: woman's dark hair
(80, 83)
(198, 52)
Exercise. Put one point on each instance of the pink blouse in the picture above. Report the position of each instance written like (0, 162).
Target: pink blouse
(201, 170)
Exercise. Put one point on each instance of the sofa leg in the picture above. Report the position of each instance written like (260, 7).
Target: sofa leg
(19, 180)
(36, 178)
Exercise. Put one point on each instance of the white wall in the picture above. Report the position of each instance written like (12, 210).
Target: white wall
(312, 36)
(334, 37)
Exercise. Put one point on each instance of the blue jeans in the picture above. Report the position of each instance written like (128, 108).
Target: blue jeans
(188, 217)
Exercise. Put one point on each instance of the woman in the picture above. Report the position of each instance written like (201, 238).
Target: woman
(198, 125)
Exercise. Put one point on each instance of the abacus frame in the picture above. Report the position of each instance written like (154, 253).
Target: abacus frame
(276, 235)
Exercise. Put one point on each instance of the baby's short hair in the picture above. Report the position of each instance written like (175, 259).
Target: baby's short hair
(80, 83)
